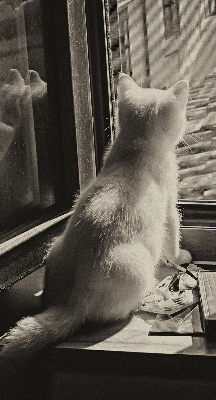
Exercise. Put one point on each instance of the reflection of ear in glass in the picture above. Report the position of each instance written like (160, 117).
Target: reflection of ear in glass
(11, 95)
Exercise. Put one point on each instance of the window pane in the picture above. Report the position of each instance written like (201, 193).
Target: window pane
(26, 167)
(157, 60)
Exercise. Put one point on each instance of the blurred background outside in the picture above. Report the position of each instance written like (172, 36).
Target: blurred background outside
(158, 42)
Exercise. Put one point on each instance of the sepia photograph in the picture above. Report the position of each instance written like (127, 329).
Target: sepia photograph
(107, 199)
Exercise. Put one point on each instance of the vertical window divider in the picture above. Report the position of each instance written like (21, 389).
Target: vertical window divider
(97, 20)
(81, 91)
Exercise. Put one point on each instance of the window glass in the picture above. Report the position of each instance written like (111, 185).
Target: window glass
(160, 42)
(27, 165)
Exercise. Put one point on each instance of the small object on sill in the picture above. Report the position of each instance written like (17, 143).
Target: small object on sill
(175, 303)
(174, 284)
(186, 282)
(207, 293)
(163, 288)
(186, 322)
(178, 301)
(186, 268)
(166, 298)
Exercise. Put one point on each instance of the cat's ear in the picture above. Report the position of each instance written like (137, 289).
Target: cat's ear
(181, 92)
(125, 85)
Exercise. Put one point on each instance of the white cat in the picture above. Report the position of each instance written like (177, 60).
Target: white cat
(105, 262)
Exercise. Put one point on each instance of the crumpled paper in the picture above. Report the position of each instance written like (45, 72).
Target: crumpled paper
(174, 293)
(174, 302)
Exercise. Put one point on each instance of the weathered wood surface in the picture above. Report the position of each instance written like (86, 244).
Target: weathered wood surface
(128, 336)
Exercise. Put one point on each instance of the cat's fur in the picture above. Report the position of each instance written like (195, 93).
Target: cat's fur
(105, 262)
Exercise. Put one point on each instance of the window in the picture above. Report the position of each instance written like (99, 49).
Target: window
(190, 56)
(171, 17)
(37, 129)
(47, 148)
(55, 121)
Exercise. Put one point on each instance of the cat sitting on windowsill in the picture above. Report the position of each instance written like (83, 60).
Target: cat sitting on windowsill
(123, 224)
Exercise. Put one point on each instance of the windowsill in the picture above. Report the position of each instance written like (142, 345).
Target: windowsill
(129, 336)
(116, 352)
(123, 353)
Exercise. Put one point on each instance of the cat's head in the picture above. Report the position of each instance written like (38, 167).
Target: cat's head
(157, 116)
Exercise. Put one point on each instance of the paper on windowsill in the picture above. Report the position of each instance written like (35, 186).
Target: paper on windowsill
(172, 305)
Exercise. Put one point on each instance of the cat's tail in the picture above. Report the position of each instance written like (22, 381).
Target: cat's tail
(32, 334)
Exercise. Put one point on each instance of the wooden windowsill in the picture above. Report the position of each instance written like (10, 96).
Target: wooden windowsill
(127, 336)
(124, 348)
(122, 357)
